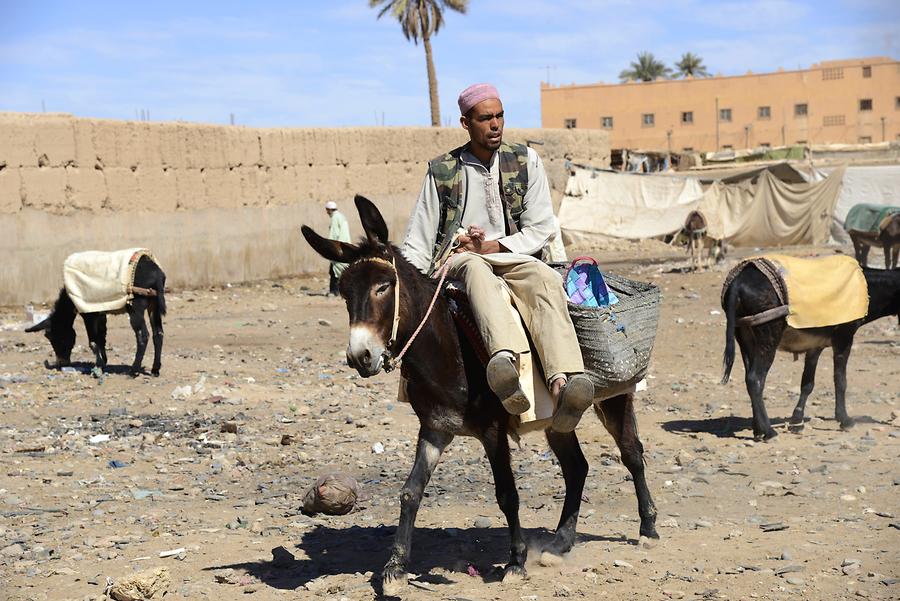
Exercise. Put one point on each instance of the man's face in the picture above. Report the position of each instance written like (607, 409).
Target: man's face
(484, 123)
(330, 211)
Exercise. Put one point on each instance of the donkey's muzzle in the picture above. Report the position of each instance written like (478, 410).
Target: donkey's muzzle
(364, 353)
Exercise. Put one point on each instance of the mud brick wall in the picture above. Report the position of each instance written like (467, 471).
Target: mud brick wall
(216, 204)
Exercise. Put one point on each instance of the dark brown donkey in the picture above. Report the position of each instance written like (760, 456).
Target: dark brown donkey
(887, 237)
(448, 390)
(751, 293)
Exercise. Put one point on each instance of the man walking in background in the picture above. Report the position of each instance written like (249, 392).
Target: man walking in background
(339, 229)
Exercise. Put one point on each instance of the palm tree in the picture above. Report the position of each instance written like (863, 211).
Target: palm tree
(647, 68)
(422, 18)
(691, 64)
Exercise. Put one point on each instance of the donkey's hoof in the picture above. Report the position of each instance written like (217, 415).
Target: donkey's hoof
(796, 427)
(513, 573)
(393, 579)
(155, 372)
(847, 423)
(765, 436)
(649, 532)
(648, 542)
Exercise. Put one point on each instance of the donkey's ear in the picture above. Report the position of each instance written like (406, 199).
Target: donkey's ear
(39, 326)
(333, 250)
(373, 223)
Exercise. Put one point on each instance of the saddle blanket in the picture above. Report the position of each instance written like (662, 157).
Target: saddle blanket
(823, 291)
(101, 281)
(868, 217)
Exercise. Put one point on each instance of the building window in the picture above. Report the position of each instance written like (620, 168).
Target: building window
(687, 149)
(897, 103)
(606, 122)
(833, 73)
(832, 120)
(801, 110)
(867, 71)
(724, 114)
(801, 142)
(727, 147)
(764, 112)
(865, 104)
(648, 120)
(865, 139)
(687, 117)
(570, 123)
(765, 145)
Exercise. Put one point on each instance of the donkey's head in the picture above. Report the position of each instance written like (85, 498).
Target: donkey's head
(58, 329)
(367, 286)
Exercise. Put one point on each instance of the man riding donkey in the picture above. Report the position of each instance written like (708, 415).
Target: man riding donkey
(499, 193)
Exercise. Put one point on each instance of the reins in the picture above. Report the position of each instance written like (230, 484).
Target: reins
(390, 361)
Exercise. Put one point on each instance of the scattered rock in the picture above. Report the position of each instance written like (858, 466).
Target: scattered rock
(149, 584)
(332, 494)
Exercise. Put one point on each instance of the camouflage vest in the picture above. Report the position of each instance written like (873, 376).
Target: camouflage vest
(447, 172)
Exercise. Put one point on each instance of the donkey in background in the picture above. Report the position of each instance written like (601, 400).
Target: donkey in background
(694, 230)
(751, 293)
(448, 390)
(59, 328)
(887, 236)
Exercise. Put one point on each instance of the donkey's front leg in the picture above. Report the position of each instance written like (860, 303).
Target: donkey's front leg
(428, 452)
(496, 446)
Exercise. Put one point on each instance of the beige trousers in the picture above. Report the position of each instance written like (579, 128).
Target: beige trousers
(541, 301)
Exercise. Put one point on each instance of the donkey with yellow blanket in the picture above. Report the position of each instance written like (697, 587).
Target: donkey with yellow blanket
(776, 302)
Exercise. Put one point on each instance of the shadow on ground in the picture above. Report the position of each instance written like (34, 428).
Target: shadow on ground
(347, 551)
(730, 427)
(723, 427)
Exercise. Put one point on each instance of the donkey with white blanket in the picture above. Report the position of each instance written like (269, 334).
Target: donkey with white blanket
(97, 283)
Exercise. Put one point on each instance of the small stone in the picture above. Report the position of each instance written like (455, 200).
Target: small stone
(786, 555)
(482, 522)
(230, 427)
(683, 457)
(795, 581)
(703, 524)
(620, 563)
(673, 594)
(14, 550)
(378, 448)
(848, 498)
(325, 323)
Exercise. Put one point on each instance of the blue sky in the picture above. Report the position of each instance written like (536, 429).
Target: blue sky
(332, 63)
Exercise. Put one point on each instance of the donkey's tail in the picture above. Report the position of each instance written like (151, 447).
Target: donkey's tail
(161, 293)
(731, 317)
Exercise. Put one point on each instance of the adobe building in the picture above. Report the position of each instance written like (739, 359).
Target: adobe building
(848, 101)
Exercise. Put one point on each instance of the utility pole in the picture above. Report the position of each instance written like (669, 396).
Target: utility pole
(717, 124)
(231, 118)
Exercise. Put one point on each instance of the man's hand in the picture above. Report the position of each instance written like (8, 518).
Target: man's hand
(473, 241)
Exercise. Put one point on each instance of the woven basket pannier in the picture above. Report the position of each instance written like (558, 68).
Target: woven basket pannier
(616, 341)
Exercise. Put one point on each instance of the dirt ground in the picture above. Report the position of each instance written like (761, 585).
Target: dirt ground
(255, 401)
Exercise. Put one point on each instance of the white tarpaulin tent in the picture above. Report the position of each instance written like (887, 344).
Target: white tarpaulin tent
(876, 184)
(770, 212)
(610, 204)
